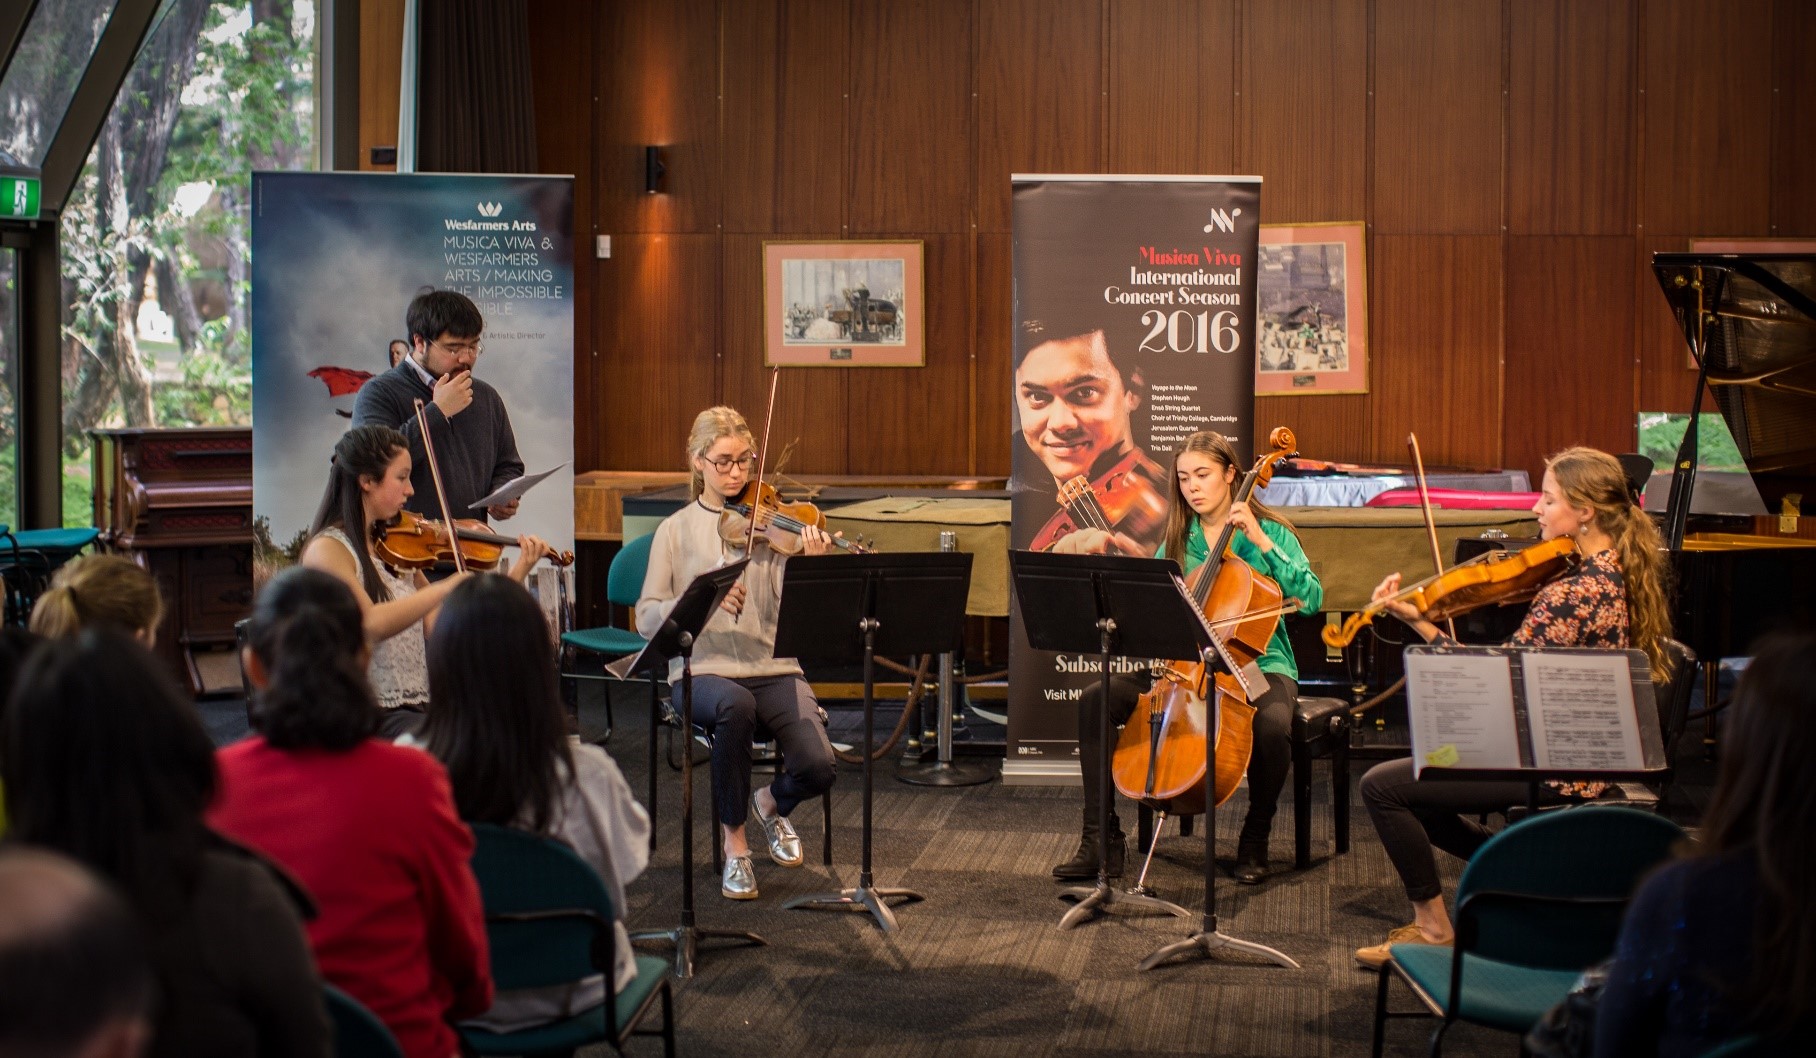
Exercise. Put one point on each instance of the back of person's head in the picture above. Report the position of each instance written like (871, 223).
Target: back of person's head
(1764, 804)
(308, 662)
(1589, 477)
(16, 645)
(362, 452)
(105, 761)
(495, 715)
(434, 313)
(75, 978)
(99, 589)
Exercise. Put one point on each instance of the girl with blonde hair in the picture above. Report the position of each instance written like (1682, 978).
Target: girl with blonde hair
(99, 590)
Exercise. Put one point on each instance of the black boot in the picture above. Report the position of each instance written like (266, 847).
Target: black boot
(1083, 864)
(1251, 850)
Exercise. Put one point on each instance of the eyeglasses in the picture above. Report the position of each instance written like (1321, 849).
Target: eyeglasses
(724, 463)
(461, 350)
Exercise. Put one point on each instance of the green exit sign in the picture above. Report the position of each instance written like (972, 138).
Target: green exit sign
(19, 197)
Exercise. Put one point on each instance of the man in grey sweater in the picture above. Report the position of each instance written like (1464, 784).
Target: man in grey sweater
(474, 445)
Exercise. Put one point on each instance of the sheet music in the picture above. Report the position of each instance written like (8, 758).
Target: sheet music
(1581, 712)
(1462, 711)
(512, 489)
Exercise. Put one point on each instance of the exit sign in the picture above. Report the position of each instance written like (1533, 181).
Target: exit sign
(18, 197)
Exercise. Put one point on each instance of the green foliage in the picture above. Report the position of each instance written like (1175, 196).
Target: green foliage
(212, 393)
(1660, 434)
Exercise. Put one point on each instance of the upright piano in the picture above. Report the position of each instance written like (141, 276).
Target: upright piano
(1750, 321)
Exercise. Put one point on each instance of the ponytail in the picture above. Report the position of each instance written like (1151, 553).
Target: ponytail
(307, 633)
(98, 590)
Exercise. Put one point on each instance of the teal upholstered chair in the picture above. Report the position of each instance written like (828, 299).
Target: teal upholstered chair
(548, 922)
(1540, 902)
(357, 1031)
(623, 585)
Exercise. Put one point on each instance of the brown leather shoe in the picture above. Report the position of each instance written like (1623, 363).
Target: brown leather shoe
(1375, 956)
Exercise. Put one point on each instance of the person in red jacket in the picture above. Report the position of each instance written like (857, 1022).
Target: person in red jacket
(370, 828)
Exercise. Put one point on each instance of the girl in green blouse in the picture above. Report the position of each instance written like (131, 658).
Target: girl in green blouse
(1201, 504)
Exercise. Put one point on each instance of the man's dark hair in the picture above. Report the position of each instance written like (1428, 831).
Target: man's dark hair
(72, 957)
(437, 312)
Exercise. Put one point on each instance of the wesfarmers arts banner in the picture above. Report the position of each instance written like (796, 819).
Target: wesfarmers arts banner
(336, 259)
(1134, 328)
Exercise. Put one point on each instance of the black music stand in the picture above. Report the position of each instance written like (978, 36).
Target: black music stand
(676, 639)
(840, 609)
(1111, 606)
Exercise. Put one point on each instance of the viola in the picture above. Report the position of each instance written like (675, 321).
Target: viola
(1160, 757)
(1493, 578)
(776, 523)
(411, 541)
(1123, 499)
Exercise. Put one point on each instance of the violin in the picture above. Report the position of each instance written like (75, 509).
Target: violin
(1492, 578)
(1124, 499)
(1160, 757)
(777, 523)
(411, 541)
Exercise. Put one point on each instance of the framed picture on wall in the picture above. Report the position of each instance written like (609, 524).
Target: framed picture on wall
(843, 304)
(1311, 319)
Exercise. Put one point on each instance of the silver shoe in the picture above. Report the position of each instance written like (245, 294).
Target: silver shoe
(784, 843)
(739, 881)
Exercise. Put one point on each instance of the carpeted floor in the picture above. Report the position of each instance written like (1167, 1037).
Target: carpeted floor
(979, 966)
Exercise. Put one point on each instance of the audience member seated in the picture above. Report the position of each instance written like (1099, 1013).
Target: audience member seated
(107, 763)
(75, 981)
(1723, 942)
(15, 645)
(496, 721)
(369, 827)
(99, 589)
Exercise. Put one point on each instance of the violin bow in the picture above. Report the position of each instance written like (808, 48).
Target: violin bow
(441, 494)
(1431, 525)
(756, 500)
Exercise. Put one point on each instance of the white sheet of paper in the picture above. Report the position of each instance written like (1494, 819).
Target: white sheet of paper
(1580, 710)
(512, 489)
(1462, 710)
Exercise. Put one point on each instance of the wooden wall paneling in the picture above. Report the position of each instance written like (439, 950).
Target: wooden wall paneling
(1172, 90)
(381, 61)
(658, 339)
(1438, 117)
(1327, 427)
(562, 38)
(1570, 347)
(910, 143)
(659, 86)
(994, 320)
(1435, 357)
(1040, 95)
(1666, 377)
(1708, 95)
(1793, 119)
(1572, 118)
(784, 114)
(812, 403)
(912, 420)
(1303, 123)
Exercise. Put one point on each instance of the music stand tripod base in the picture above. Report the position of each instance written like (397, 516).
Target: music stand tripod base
(1209, 941)
(687, 938)
(864, 898)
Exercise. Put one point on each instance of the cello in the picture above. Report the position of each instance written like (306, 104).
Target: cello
(1160, 758)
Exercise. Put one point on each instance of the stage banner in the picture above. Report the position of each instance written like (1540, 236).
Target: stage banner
(336, 259)
(1134, 328)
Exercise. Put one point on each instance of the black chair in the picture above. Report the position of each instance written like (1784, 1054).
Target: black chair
(549, 922)
(357, 1031)
(1321, 728)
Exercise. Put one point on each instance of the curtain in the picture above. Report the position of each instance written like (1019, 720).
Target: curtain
(475, 112)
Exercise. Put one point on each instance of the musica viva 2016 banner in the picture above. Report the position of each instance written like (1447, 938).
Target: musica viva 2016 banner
(1134, 328)
(336, 259)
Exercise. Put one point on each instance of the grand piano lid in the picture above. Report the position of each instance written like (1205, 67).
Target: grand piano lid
(1751, 320)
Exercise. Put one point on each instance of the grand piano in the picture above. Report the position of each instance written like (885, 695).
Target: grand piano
(1745, 556)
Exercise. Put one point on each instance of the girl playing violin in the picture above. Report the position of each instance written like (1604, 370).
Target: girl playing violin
(1616, 597)
(368, 484)
(1199, 506)
(739, 686)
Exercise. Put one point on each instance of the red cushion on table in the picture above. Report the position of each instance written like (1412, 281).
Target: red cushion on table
(1458, 499)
